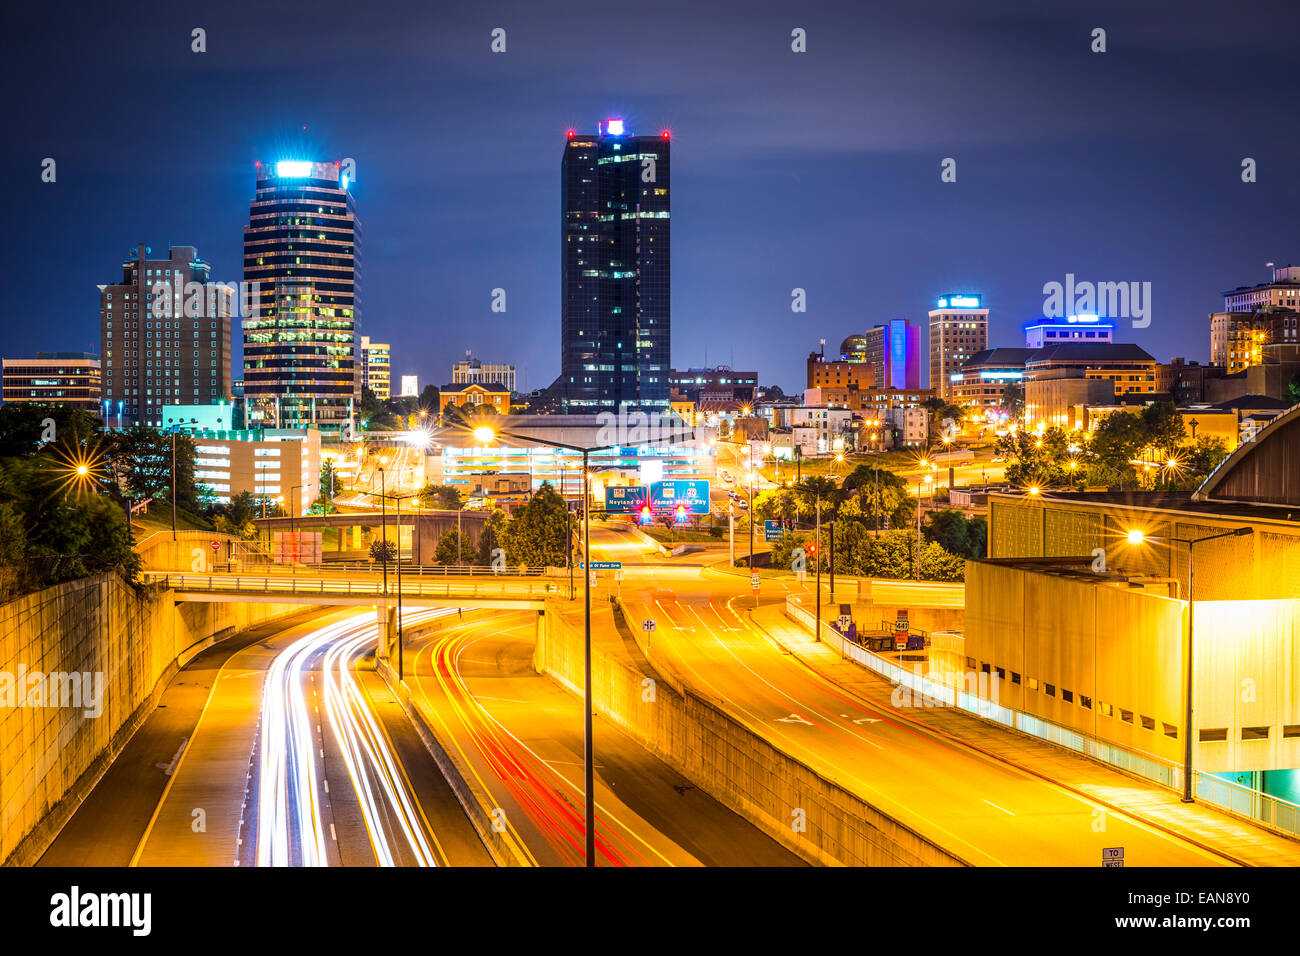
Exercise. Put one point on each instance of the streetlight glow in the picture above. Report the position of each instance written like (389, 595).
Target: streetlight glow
(1135, 536)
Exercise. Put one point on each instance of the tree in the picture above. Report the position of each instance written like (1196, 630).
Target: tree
(1164, 427)
(1293, 389)
(446, 497)
(862, 503)
(1116, 442)
(430, 397)
(955, 533)
(1013, 399)
(451, 548)
(326, 499)
(27, 427)
(492, 537)
(537, 533)
(144, 456)
(384, 551)
(237, 517)
(938, 564)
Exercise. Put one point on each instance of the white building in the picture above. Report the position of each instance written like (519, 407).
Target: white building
(912, 424)
(473, 372)
(410, 386)
(275, 465)
(817, 429)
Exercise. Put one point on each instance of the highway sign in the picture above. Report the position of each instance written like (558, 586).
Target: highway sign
(844, 621)
(771, 530)
(1112, 856)
(603, 565)
(648, 624)
(753, 581)
(692, 493)
(624, 500)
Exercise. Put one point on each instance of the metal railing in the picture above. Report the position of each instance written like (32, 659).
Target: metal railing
(501, 586)
(424, 570)
(1253, 804)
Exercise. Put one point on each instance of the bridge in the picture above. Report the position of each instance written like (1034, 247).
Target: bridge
(483, 590)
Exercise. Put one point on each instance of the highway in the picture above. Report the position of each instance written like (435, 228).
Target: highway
(983, 810)
(297, 755)
(521, 737)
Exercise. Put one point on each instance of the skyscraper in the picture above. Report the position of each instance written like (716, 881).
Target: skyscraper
(616, 319)
(164, 336)
(376, 367)
(301, 354)
(894, 349)
(959, 328)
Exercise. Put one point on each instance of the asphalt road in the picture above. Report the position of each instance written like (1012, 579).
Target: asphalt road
(521, 736)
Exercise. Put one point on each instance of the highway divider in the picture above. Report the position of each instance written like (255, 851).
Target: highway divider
(501, 844)
(807, 812)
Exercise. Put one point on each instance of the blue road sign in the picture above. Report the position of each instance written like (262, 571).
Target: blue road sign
(691, 492)
(602, 565)
(771, 530)
(624, 500)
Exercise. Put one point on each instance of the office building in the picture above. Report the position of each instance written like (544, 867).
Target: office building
(54, 378)
(983, 378)
(276, 466)
(719, 383)
(472, 371)
(959, 327)
(838, 374)
(1255, 317)
(164, 335)
(300, 344)
(1074, 328)
(894, 351)
(474, 395)
(376, 366)
(855, 348)
(615, 287)
(410, 386)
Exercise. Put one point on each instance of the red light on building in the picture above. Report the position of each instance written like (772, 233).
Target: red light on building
(571, 134)
(665, 134)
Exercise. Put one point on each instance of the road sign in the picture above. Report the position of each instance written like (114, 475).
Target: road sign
(593, 579)
(624, 500)
(844, 620)
(901, 628)
(648, 624)
(216, 546)
(1112, 856)
(753, 581)
(692, 493)
(603, 565)
(771, 530)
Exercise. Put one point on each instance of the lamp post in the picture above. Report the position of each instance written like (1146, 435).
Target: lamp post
(175, 424)
(297, 551)
(486, 434)
(1137, 537)
(397, 552)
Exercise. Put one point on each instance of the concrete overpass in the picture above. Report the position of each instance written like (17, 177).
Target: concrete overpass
(515, 592)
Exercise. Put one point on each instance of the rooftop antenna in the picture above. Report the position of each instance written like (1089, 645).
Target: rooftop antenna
(1271, 266)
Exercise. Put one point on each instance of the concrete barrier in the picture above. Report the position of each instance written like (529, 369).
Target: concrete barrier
(500, 845)
(136, 639)
(806, 812)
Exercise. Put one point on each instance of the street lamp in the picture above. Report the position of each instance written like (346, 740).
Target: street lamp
(397, 553)
(175, 424)
(485, 434)
(1137, 537)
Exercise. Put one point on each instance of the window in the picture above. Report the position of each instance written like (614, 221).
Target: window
(1067, 696)
(1126, 715)
(1148, 723)
(1254, 733)
(1215, 734)
(1049, 690)
(1170, 730)
(1085, 702)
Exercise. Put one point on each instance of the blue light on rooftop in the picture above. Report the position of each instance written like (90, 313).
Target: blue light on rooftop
(293, 168)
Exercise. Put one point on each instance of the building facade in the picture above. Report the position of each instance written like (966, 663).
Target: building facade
(474, 395)
(959, 327)
(615, 275)
(1076, 328)
(276, 466)
(301, 351)
(839, 374)
(719, 383)
(164, 335)
(472, 371)
(54, 378)
(984, 377)
(376, 368)
(894, 351)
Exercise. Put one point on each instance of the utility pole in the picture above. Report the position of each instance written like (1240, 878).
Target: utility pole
(817, 558)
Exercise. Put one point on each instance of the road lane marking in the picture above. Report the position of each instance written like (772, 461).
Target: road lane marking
(1003, 809)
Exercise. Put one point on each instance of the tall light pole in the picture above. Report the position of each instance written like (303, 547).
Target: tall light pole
(398, 555)
(1137, 537)
(486, 434)
(297, 550)
(176, 423)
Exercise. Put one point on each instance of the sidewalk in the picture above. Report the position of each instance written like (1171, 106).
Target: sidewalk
(1251, 845)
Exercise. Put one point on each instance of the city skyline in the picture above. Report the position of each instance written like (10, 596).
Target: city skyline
(853, 189)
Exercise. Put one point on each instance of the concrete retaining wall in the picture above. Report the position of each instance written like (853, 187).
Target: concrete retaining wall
(730, 761)
(191, 551)
(51, 756)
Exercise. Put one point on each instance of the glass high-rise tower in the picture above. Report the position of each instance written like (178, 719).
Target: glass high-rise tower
(616, 316)
(301, 361)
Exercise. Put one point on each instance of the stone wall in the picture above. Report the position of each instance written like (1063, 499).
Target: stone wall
(135, 639)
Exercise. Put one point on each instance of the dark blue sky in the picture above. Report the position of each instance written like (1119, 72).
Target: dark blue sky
(817, 170)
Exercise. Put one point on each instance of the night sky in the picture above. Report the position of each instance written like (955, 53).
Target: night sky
(818, 170)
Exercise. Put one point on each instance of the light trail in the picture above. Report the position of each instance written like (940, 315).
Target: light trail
(290, 825)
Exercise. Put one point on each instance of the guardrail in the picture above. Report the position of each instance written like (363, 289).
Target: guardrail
(1281, 815)
(427, 570)
(308, 585)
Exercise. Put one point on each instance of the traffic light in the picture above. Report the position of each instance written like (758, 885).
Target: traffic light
(645, 514)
